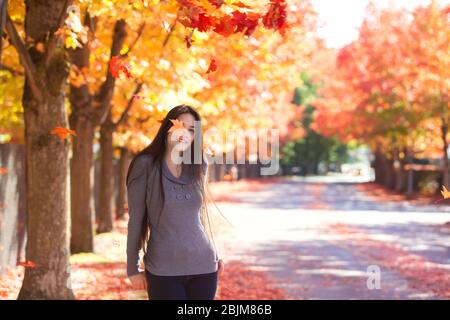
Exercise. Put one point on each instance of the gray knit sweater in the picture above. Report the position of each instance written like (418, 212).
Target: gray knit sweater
(178, 245)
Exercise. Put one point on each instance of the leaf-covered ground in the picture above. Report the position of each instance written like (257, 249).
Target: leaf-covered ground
(298, 238)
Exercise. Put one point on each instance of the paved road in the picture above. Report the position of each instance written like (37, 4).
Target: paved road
(289, 230)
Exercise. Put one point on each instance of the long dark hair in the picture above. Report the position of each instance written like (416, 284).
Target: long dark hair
(157, 149)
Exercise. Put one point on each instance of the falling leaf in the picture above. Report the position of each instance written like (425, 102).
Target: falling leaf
(62, 132)
(177, 124)
(126, 69)
(445, 193)
(114, 66)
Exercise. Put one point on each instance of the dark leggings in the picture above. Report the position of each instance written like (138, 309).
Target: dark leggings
(186, 287)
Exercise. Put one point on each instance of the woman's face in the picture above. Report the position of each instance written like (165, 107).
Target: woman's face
(181, 139)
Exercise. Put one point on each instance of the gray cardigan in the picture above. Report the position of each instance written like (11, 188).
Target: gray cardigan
(178, 245)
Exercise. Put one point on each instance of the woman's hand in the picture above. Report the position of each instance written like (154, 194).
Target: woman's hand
(221, 266)
(138, 281)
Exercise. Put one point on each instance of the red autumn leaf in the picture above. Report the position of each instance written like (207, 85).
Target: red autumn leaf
(275, 18)
(117, 65)
(114, 66)
(193, 16)
(204, 22)
(247, 22)
(226, 26)
(62, 132)
(126, 69)
(212, 66)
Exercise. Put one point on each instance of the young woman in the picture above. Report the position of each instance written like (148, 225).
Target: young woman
(167, 213)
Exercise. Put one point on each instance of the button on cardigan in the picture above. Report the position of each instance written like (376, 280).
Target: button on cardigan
(178, 244)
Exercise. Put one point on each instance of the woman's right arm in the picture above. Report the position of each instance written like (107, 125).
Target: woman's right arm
(136, 194)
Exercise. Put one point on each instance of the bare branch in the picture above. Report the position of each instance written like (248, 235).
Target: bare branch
(25, 58)
(104, 96)
(3, 10)
(139, 34)
(172, 28)
(124, 116)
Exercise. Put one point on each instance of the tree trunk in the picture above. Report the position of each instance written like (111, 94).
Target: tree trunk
(122, 174)
(106, 176)
(390, 174)
(82, 239)
(377, 165)
(83, 122)
(399, 171)
(46, 161)
(384, 170)
(445, 173)
(87, 116)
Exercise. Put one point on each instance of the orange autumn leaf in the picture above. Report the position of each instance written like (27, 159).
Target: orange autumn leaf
(3, 170)
(445, 193)
(62, 133)
(27, 264)
(177, 124)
